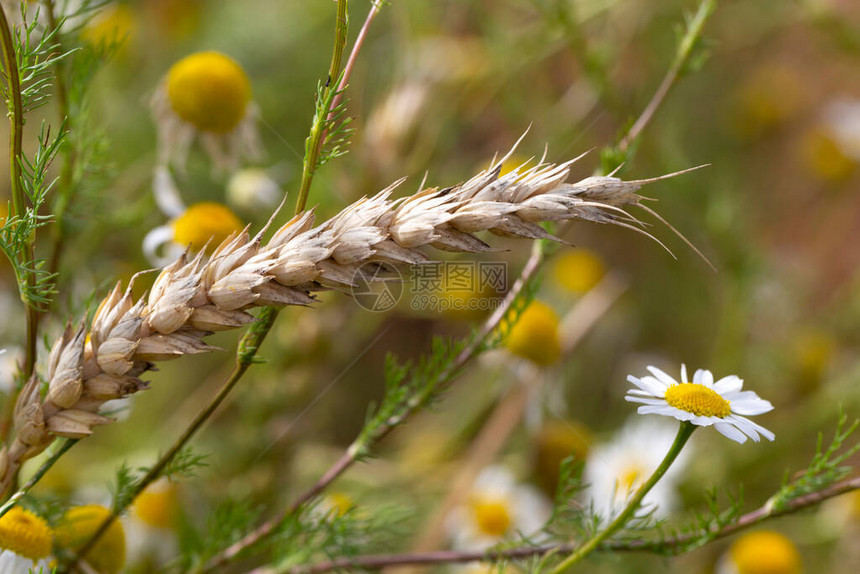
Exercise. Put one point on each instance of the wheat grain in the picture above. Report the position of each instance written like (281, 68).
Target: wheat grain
(195, 296)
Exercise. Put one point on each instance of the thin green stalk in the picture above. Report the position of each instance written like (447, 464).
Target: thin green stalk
(16, 136)
(682, 56)
(64, 188)
(684, 432)
(315, 139)
(46, 466)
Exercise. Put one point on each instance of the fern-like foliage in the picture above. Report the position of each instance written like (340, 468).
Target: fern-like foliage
(35, 282)
(825, 469)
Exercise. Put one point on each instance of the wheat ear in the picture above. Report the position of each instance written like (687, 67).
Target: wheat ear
(194, 297)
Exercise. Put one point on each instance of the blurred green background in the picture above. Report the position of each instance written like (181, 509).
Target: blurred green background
(438, 89)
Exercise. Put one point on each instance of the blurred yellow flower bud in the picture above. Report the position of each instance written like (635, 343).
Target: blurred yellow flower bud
(209, 91)
(535, 335)
(203, 223)
(764, 552)
(578, 270)
(78, 525)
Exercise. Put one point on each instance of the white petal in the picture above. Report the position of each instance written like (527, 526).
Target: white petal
(697, 376)
(661, 376)
(751, 406)
(645, 401)
(745, 427)
(756, 427)
(683, 373)
(708, 379)
(166, 195)
(704, 421)
(729, 384)
(728, 430)
(648, 384)
(664, 410)
(156, 238)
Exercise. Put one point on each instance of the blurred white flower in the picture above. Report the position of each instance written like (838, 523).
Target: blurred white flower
(702, 402)
(151, 524)
(253, 190)
(497, 509)
(842, 118)
(8, 369)
(614, 471)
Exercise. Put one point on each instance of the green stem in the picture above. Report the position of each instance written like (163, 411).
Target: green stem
(65, 187)
(682, 55)
(46, 466)
(684, 432)
(16, 136)
(315, 139)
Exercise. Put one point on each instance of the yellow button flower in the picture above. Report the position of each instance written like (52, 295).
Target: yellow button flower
(25, 542)
(201, 226)
(206, 95)
(205, 223)
(78, 525)
(535, 335)
(763, 552)
(578, 270)
(209, 90)
(157, 506)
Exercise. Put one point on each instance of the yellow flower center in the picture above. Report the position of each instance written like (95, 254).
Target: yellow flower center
(535, 335)
(698, 399)
(209, 91)
(578, 270)
(204, 223)
(76, 527)
(492, 516)
(156, 506)
(25, 534)
(765, 552)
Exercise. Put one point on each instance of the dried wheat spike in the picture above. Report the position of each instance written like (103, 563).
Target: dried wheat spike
(195, 296)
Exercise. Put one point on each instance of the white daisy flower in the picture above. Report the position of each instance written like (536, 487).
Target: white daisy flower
(252, 189)
(206, 95)
(497, 509)
(199, 226)
(703, 402)
(842, 118)
(8, 370)
(152, 524)
(615, 471)
(25, 542)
